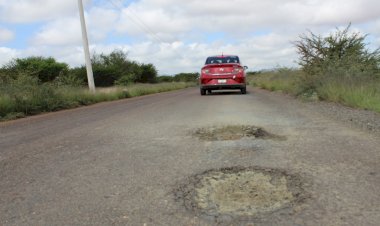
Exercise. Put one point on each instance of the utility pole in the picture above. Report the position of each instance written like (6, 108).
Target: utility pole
(90, 76)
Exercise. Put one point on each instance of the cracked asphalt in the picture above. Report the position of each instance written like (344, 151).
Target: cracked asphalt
(120, 163)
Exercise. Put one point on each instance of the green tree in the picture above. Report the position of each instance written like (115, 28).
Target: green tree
(44, 69)
(343, 50)
(115, 68)
(148, 74)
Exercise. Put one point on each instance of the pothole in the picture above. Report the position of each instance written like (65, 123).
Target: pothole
(232, 132)
(239, 192)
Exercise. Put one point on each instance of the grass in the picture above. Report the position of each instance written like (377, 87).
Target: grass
(20, 100)
(285, 80)
(358, 92)
(145, 89)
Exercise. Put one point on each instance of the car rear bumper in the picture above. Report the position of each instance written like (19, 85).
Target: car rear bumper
(224, 86)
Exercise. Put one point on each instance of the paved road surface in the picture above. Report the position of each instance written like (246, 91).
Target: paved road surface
(121, 163)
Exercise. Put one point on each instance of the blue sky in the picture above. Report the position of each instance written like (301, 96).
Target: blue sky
(177, 36)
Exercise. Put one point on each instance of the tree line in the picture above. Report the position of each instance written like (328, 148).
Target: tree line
(108, 69)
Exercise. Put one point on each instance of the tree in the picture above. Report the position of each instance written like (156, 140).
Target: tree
(148, 73)
(343, 50)
(115, 68)
(44, 69)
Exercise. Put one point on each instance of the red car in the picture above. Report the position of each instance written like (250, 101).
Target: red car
(222, 72)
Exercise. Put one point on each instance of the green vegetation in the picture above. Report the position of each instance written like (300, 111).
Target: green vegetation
(181, 77)
(36, 84)
(282, 79)
(43, 69)
(336, 68)
(116, 69)
(21, 99)
(354, 92)
(145, 89)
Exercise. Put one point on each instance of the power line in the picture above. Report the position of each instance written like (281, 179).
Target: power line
(138, 22)
(141, 24)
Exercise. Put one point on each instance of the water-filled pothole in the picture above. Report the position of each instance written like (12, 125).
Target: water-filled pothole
(239, 192)
(232, 132)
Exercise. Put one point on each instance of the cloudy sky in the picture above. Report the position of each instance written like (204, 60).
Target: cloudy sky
(177, 36)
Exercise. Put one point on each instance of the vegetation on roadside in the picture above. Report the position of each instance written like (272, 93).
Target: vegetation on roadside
(336, 68)
(20, 99)
(33, 85)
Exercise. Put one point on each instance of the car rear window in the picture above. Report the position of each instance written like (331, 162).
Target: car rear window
(222, 60)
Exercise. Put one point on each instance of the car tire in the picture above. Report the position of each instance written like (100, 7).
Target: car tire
(203, 92)
(243, 90)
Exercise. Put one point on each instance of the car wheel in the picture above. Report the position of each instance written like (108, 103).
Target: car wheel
(203, 92)
(243, 90)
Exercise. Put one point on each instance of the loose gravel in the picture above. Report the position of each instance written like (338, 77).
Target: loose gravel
(364, 119)
(240, 193)
(232, 132)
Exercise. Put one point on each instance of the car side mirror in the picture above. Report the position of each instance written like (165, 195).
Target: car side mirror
(245, 67)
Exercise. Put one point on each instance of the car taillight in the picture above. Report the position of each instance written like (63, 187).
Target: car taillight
(206, 71)
(238, 70)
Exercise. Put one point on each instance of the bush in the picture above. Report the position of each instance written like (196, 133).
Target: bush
(342, 54)
(336, 68)
(281, 79)
(27, 96)
(148, 74)
(126, 80)
(186, 77)
(44, 69)
(165, 78)
(69, 80)
(116, 69)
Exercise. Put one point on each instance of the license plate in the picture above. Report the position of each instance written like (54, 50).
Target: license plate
(222, 80)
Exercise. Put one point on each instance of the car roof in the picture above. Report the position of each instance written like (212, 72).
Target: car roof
(224, 56)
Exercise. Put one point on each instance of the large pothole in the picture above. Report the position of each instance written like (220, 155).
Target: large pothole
(241, 192)
(232, 132)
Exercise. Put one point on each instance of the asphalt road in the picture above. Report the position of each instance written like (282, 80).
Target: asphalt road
(122, 163)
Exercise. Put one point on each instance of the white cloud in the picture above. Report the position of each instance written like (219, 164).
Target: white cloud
(242, 16)
(7, 54)
(6, 35)
(177, 36)
(67, 30)
(27, 11)
(100, 22)
(64, 31)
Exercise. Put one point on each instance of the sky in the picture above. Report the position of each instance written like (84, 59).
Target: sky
(177, 36)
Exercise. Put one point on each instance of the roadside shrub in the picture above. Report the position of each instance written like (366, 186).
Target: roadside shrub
(27, 96)
(126, 80)
(44, 69)
(186, 77)
(165, 78)
(148, 74)
(342, 54)
(69, 79)
(115, 68)
(281, 79)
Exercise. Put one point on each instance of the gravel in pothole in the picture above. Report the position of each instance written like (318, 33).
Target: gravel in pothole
(232, 132)
(241, 192)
